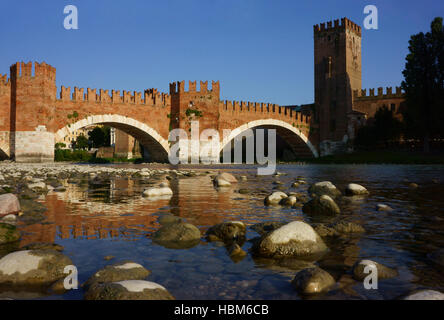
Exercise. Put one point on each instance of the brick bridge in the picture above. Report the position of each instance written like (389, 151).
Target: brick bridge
(33, 116)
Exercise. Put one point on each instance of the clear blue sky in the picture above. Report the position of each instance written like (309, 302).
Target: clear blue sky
(260, 50)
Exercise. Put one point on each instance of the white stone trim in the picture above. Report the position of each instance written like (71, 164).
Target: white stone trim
(267, 122)
(112, 118)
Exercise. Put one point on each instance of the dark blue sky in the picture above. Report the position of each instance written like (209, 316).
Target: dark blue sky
(260, 50)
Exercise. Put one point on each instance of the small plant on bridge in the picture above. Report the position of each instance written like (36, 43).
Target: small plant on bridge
(74, 115)
(190, 112)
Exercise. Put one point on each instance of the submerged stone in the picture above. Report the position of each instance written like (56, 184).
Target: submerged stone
(383, 271)
(313, 280)
(323, 205)
(128, 290)
(126, 270)
(177, 236)
(8, 233)
(227, 232)
(324, 188)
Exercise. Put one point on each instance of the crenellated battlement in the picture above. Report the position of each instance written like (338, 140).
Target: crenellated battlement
(150, 97)
(346, 24)
(179, 87)
(4, 80)
(389, 93)
(262, 108)
(33, 70)
(5, 84)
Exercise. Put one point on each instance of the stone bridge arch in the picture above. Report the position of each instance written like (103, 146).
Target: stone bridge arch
(157, 146)
(295, 138)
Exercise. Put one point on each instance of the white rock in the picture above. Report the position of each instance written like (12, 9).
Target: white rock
(296, 230)
(355, 189)
(227, 177)
(9, 203)
(129, 265)
(9, 218)
(222, 183)
(383, 207)
(275, 197)
(426, 295)
(326, 184)
(20, 261)
(139, 285)
(158, 192)
(37, 185)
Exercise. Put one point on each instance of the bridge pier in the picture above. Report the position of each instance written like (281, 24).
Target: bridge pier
(33, 146)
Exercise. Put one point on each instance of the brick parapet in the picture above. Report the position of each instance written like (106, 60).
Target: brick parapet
(330, 26)
(389, 94)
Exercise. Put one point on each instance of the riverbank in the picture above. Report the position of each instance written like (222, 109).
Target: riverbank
(100, 216)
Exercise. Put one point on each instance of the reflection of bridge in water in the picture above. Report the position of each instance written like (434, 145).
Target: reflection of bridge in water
(117, 209)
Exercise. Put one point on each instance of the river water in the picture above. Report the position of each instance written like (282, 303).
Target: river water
(94, 219)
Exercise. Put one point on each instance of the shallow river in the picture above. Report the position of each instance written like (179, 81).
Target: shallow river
(110, 217)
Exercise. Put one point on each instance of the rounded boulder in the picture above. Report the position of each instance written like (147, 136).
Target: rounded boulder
(295, 239)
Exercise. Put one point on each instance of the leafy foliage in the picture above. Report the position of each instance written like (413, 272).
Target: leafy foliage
(195, 112)
(81, 143)
(100, 137)
(424, 84)
(68, 155)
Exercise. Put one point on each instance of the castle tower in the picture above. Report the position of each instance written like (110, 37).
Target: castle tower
(33, 96)
(337, 57)
(194, 104)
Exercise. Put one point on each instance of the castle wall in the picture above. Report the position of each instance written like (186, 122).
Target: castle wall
(152, 108)
(371, 102)
(235, 114)
(5, 116)
(34, 115)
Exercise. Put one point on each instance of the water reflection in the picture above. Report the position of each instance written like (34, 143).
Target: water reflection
(100, 216)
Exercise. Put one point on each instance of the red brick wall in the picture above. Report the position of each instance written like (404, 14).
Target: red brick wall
(33, 95)
(34, 102)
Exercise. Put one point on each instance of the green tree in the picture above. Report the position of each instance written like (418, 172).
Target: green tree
(81, 142)
(60, 145)
(100, 136)
(97, 137)
(424, 85)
